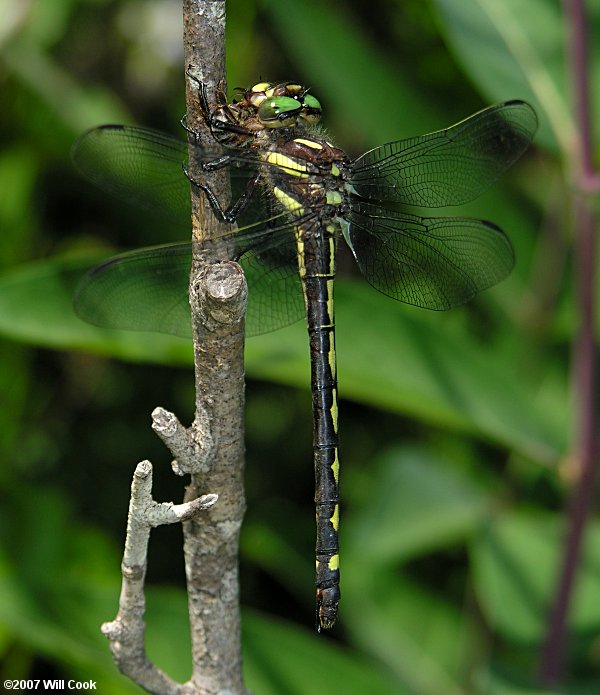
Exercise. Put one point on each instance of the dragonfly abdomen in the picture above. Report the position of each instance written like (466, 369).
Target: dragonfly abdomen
(316, 262)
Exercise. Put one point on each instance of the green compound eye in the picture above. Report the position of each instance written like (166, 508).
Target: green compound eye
(311, 109)
(279, 112)
(311, 102)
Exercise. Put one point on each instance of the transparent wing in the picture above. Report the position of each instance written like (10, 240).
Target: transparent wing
(275, 297)
(147, 289)
(143, 290)
(435, 263)
(144, 167)
(448, 167)
(138, 165)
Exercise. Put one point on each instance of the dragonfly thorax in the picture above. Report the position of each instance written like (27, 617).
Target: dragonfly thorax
(309, 175)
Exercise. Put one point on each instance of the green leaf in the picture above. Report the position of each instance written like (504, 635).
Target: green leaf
(282, 659)
(414, 504)
(55, 589)
(36, 307)
(168, 637)
(420, 637)
(19, 168)
(494, 684)
(516, 563)
(497, 682)
(268, 547)
(513, 49)
(347, 68)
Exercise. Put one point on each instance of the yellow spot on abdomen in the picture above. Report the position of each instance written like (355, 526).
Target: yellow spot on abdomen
(334, 562)
(335, 467)
(330, 294)
(334, 411)
(332, 362)
(335, 519)
(300, 247)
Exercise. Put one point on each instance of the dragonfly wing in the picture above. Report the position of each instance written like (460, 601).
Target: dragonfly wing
(141, 166)
(434, 263)
(269, 257)
(275, 295)
(147, 289)
(448, 167)
(143, 290)
(144, 167)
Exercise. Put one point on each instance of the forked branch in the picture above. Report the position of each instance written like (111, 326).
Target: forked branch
(126, 631)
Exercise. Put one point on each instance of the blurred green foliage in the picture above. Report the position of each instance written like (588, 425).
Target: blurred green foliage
(455, 428)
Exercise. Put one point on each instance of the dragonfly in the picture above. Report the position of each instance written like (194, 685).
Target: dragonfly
(297, 197)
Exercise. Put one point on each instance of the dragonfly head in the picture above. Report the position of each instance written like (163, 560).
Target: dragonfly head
(283, 105)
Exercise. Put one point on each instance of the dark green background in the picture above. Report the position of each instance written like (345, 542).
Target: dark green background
(455, 428)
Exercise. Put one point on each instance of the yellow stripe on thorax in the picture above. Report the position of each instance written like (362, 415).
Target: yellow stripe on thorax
(289, 203)
(289, 165)
(309, 143)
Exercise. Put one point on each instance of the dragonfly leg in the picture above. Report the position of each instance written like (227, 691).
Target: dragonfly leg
(202, 96)
(230, 214)
(215, 124)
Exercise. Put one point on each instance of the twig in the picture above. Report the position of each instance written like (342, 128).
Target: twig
(126, 631)
(553, 657)
(191, 456)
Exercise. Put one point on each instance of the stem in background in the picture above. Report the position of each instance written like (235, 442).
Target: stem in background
(554, 653)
